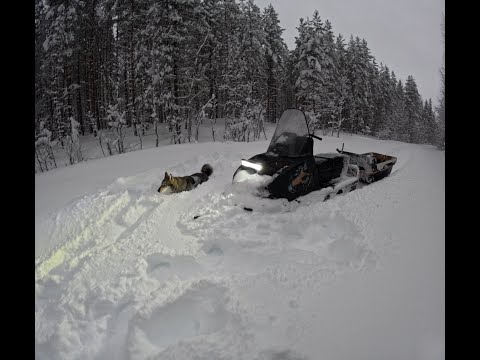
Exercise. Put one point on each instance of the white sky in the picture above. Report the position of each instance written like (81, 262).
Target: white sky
(405, 35)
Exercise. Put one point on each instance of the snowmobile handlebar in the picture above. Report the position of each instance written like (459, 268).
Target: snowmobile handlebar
(314, 136)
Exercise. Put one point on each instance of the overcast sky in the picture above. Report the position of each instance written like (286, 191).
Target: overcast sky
(405, 35)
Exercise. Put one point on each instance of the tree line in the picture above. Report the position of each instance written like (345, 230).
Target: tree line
(106, 65)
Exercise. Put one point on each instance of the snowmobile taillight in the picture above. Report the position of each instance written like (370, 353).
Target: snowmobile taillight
(252, 165)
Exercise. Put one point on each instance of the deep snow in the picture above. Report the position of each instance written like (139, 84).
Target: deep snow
(123, 272)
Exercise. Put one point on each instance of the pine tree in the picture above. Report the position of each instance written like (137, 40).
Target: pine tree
(441, 114)
(287, 94)
(357, 82)
(376, 99)
(440, 135)
(328, 62)
(413, 109)
(386, 95)
(398, 118)
(41, 103)
(309, 84)
(340, 86)
(276, 53)
(60, 29)
(429, 126)
(365, 70)
(250, 79)
(228, 78)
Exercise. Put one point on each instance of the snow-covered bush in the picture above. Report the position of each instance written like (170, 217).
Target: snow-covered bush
(117, 123)
(72, 143)
(43, 149)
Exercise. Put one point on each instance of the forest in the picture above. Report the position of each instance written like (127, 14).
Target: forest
(105, 66)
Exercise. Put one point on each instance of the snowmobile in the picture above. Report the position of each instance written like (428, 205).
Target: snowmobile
(290, 170)
(373, 166)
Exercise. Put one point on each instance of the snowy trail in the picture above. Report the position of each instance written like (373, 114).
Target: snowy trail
(125, 273)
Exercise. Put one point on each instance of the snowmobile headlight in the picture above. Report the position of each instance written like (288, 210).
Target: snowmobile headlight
(252, 165)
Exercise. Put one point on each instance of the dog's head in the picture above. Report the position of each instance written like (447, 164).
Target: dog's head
(167, 185)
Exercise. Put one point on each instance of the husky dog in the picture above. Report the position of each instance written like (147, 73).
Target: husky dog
(175, 184)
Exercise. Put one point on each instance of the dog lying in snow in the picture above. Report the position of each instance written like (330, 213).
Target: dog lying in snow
(175, 184)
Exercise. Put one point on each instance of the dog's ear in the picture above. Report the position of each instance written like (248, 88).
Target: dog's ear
(170, 176)
(166, 175)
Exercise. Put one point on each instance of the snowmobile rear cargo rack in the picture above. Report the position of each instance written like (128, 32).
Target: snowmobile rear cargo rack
(373, 166)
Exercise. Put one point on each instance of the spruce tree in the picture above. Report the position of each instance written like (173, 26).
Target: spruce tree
(276, 53)
(413, 109)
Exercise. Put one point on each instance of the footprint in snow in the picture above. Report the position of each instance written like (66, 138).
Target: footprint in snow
(162, 266)
(199, 311)
(288, 354)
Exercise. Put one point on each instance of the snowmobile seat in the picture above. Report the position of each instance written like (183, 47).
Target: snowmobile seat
(329, 166)
(331, 159)
(319, 160)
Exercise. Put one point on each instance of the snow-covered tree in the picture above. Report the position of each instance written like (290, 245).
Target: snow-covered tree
(340, 86)
(359, 60)
(276, 53)
(429, 125)
(440, 133)
(117, 123)
(385, 97)
(413, 111)
(44, 148)
(310, 84)
(186, 62)
(59, 26)
(399, 116)
(247, 91)
(72, 143)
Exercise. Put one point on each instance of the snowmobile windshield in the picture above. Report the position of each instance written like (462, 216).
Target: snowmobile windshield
(291, 135)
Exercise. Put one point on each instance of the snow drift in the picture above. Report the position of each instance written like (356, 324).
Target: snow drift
(123, 272)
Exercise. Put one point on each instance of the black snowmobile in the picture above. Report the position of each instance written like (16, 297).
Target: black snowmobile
(290, 167)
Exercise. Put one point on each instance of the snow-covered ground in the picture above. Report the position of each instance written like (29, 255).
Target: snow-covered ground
(123, 272)
(91, 149)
